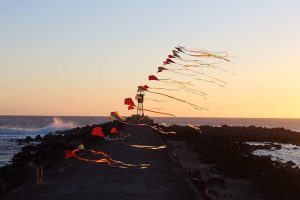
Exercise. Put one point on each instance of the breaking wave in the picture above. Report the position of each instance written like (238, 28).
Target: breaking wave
(13, 132)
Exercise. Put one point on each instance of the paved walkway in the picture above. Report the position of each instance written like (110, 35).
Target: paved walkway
(152, 174)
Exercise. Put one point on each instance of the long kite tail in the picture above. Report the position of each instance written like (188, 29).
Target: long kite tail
(162, 113)
(204, 74)
(195, 62)
(194, 50)
(197, 92)
(175, 71)
(176, 82)
(188, 89)
(182, 85)
(213, 66)
(157, 100)
(207, 55)
(167, 89)
(155, 108)
(203, 53)
(183, 101)
(198, 64)
(194, 75)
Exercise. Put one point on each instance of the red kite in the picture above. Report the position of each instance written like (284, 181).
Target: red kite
(175, 54)
(70, 154)
(146, 87)
(115, 116)
(130, 107)
(160, 69)
(153, 78)
(169, 60)
(129, 101)
(97, 131)
(113, 130)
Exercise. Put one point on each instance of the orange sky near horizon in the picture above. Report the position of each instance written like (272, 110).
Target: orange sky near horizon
(85, 58)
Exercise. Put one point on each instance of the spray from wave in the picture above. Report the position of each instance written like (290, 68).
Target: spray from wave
(8, 134)
(14, 132)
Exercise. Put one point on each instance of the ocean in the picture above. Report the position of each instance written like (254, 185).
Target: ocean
(17, 127)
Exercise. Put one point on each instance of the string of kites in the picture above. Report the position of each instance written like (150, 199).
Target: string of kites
(186, 62)
(183, 62)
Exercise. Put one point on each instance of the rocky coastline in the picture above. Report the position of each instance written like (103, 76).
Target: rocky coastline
(47, 151)
(223, 148)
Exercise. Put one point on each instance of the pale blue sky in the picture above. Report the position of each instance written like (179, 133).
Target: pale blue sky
(84, 57)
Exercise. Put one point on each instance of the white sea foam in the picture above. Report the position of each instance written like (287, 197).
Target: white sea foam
(12, 128)
(288, 152)
(14, 132)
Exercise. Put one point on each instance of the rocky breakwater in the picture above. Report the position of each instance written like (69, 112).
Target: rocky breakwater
(224, 149)
(48, 152)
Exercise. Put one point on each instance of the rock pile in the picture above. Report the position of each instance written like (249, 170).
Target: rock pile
(225, 148)
(47, 152)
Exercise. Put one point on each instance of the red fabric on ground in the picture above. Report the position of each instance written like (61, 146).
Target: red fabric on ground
(113, 130)
(70, 154)
(97, 131)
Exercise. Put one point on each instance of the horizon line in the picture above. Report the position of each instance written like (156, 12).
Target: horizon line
(149, 116)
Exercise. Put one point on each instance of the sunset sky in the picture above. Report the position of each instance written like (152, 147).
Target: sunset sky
(84, 57)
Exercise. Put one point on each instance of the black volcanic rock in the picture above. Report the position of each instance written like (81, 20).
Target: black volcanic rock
(182, 132)
(38, 138)
(137, 119)
(290, 163)
(2, 185)
(49, 153)
(225, 147)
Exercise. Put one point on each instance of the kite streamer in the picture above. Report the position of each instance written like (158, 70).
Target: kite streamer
(154, 78)
(180, 85)
(161, 69)
(203, 53)
(162, 113)
(157, 100)
(156, 108)
(105, 159)
(198, 64)
(177, 99)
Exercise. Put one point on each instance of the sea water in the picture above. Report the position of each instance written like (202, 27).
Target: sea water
(17, 127)
(287, 152)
